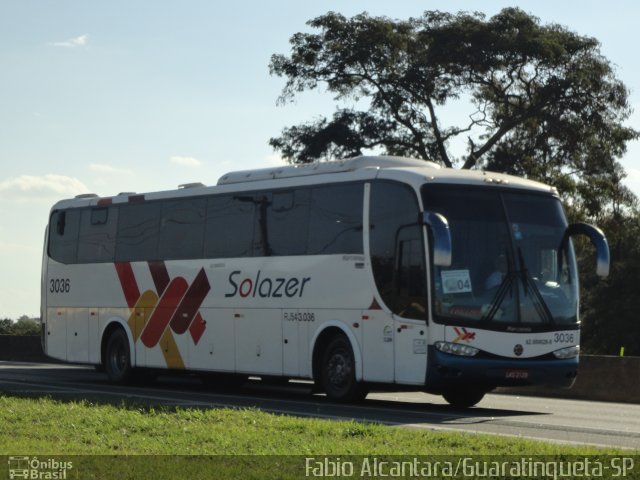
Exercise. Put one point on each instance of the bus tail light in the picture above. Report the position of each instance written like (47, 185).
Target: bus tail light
(456, 349)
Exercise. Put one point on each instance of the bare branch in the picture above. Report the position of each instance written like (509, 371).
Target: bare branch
(436, 131)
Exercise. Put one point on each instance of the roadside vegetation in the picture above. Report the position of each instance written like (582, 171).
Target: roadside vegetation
(23, 326)
(47, 427)
(55, 427)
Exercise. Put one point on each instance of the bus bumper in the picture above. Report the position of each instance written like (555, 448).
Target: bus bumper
(446, 371)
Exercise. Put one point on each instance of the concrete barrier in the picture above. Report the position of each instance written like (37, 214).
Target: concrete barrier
(22, 348)
(604, 378)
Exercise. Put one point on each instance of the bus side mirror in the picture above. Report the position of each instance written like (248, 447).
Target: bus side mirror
(598, 240)
(439, 227)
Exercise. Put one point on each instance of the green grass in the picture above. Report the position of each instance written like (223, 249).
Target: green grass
(55, 427)
(48, 427)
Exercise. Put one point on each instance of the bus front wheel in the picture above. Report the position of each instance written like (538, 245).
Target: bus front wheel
(338, 374)
(463, 398)
(118, 357)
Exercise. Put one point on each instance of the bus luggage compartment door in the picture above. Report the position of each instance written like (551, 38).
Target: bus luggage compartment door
(258, 335)
(410, 338)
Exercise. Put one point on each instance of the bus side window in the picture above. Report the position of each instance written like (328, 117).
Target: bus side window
(410, 296)
(229, 226)
(287, 222)
(63, 235)
(182, 229)
(398, 264)
(335, 223)
(138, 227)
(97, 237)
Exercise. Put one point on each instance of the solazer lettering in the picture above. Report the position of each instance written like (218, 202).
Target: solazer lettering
(265, 287)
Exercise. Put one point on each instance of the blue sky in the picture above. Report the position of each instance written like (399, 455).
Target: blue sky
(144, 95)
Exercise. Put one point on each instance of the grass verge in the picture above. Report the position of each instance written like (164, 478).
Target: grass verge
(48, 427)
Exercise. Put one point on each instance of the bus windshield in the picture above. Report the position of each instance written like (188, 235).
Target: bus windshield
(512, 262)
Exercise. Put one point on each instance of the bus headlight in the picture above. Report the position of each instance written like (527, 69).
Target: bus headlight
(456, 349)
(569, 352)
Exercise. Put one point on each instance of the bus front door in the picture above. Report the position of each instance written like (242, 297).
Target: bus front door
(409, 307)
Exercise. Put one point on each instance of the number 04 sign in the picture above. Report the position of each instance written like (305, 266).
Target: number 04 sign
(456, 281)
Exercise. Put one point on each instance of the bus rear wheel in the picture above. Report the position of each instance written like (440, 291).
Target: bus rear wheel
(463, 398)
(338, 374)
(117, 357)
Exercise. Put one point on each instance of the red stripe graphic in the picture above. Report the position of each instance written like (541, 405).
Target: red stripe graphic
(159, 275)
(197, 328)
(190, 303)
(161, 316)
(128, 282)
(175, 304)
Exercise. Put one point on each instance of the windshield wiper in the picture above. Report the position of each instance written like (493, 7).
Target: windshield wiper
(530, 290)
(498, 298)
(530, 287)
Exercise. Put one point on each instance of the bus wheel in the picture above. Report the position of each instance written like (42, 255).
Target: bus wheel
(338, 374)
(117, 357)
(463, 398)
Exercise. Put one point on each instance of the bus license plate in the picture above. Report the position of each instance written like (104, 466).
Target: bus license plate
(517, 374)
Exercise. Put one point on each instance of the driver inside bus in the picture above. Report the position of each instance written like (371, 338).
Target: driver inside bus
(496, 278)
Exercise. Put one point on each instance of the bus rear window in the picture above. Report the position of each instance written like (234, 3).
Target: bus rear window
(63, 235)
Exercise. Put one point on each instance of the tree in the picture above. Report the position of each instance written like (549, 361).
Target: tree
(543, 102)
(26, 326)
(23, 326)
(6, 326)
(609, 307)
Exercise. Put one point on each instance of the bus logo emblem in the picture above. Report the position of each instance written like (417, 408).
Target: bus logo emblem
(464, 335)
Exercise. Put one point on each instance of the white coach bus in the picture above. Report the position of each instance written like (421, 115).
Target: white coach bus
(372, 271)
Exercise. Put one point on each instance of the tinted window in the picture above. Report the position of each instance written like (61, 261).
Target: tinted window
(63, 235)
(335, 223)
(97, 237)
(410, 293)
(479, 236)
(510, 264)
(229, 226)
(287, 223)
(138, 228)
(396, 248)
(182, 229)
(303, 221)
(262, 203)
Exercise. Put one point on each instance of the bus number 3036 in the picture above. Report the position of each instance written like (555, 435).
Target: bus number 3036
(59, 285)
(563, 338)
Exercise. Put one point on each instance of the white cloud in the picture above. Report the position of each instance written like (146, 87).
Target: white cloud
(104, 168)
(185, 161)
(76, 42)
(46, 187)
(13, 248)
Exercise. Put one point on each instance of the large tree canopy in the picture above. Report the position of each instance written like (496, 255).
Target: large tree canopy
(543, 101)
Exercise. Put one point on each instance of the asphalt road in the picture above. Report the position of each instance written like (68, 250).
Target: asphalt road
(554, 420)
